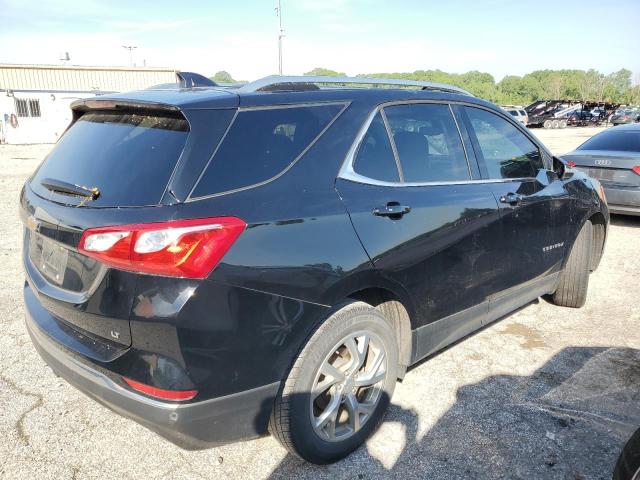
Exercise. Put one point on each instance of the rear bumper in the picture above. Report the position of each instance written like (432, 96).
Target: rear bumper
(195, 425)
(623, 201)
(624, 210)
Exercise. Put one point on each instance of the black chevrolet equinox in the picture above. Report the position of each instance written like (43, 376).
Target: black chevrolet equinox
(217, 263)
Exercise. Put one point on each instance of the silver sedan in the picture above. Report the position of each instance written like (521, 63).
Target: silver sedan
(613, 158)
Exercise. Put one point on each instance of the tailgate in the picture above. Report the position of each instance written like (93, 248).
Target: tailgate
(111, 167)
(76, 289)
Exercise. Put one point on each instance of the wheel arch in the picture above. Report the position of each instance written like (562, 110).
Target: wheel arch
(391, 306)
(599, 238)
(599, 223)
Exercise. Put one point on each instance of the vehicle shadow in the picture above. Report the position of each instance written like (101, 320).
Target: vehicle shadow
(625, 220)
(569, 419)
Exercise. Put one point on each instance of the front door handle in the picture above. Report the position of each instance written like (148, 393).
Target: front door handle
(511, 198)
(392, 209)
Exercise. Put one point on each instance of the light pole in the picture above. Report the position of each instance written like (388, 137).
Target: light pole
(131, 48)
(280, 36)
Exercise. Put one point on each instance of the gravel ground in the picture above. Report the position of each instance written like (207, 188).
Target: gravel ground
(547, 392)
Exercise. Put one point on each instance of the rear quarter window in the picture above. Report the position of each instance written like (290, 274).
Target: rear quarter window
(261, 144)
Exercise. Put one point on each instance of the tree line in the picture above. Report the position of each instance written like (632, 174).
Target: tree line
(581, 85)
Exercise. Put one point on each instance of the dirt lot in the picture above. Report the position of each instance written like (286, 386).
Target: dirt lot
(547, 392)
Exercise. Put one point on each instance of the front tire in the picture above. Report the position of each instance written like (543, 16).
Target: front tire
(574, 279)
(339, 387)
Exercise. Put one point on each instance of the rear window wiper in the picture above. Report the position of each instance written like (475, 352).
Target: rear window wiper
(65, 188)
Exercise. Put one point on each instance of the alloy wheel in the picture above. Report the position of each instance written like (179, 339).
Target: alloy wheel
(348, 386)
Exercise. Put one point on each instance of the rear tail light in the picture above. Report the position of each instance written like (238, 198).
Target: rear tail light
(172, 395)
(571, 163)
(180, 248)
(636, 169)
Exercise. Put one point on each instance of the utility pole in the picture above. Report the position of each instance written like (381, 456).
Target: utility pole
(131, 48)
(280, 36)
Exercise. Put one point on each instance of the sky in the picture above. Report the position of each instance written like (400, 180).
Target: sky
(502, 37)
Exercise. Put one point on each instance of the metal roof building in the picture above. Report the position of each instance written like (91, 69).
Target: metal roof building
(80, 78)
(34, 99)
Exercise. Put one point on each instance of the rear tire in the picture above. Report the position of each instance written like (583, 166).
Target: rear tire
(547, 124)
(574, 279)
(628, 465)
(555, 124)
(313, 415)
(563, 124)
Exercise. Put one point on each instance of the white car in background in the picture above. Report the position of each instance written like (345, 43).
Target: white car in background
(518, 113)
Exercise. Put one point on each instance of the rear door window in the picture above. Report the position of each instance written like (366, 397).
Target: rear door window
(129, 157)
(261, 144)
(504, 151)
(428, 143)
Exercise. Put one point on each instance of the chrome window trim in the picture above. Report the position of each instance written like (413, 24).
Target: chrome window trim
(357, 178)
(345, 105)
(347, 172)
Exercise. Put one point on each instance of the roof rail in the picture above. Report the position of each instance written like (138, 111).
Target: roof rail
(276, 83)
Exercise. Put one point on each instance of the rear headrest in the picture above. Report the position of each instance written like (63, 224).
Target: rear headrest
(411, 144)
(431, 130)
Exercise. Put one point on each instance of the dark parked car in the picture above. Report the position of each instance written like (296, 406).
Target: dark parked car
(216, 264)
(613, 158)
(584, 118)
(579, 118)
(624, 116)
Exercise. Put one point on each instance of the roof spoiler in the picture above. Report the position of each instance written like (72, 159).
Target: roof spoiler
(85, 104)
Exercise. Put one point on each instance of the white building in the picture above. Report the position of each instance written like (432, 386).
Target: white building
(35, 99)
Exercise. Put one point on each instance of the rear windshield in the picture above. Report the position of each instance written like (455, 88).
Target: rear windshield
(261, 144)
(614, 139)
(129, 157)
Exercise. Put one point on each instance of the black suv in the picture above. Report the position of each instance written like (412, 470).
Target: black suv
(218, 263)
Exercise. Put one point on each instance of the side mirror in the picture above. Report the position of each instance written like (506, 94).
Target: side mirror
(560, 167)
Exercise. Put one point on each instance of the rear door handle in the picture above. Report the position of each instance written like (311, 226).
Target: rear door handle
(511, 198)
(392, 209)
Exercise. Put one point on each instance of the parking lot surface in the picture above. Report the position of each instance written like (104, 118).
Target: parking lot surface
(547, 392)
